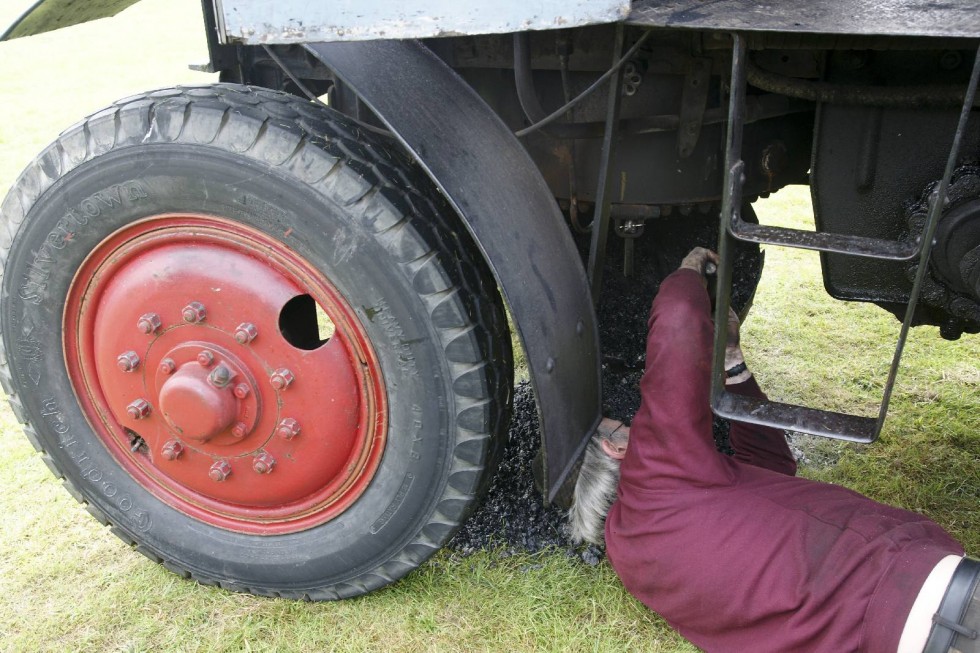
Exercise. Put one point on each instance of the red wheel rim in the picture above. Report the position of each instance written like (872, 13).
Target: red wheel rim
(180, 342)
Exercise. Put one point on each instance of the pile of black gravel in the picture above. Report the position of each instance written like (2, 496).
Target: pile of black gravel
(513, 518)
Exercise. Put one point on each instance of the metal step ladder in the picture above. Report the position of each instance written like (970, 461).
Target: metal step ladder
(787, 416)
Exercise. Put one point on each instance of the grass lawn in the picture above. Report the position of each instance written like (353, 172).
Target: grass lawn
(66, 583)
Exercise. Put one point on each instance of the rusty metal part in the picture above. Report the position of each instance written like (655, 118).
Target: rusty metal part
(128, 361)
(903, 97)
(263, 463)
(210, 406)
(172, 449)
(694, 101)
(288, 428)
(138, 409)
(148, 323)
(220, 471)
(246, 333)
(282, 378)
(194, 313)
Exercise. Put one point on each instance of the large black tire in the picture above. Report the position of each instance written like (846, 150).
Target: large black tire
(356, 210)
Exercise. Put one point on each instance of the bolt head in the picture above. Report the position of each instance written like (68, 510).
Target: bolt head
(138, 409)
(239, 430)
(194, 312)
(128, 361)
(281, 378)
(168, 366)
(148, 323)
(246, 333)
(263, 463)
(219, 471)
(205, 358)
(220, 377)
(288, 428)
(242, 390)
(172, 450)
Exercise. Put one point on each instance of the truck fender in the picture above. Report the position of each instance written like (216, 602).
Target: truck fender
(501, 197)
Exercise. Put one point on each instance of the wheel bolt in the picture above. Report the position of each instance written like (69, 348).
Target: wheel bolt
(194, 312)
(167, 366)
(128, 361)
(205, 358)
(138, 409)
(148, 323)
(239, 430)
(263, 463)
(245, 333)
(172, 450)
(220, 377)
(242, 390)
(281, 378)
(288, 428)
(219, 471)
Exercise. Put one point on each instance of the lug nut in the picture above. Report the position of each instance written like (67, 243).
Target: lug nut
(245, 333)
(281, 378)
(239, 430)
(219, 471)
(194, 312)
(263, 463)
(167, 366)
(172, 450)
(288, 428)
(205, 358)
(138, 409)
(128, 361)
(242, 390)
(148, 323)
(220, 377)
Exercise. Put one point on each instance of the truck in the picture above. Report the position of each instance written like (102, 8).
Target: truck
(263, 327)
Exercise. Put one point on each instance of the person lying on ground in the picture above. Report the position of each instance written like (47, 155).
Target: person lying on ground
(736, 552)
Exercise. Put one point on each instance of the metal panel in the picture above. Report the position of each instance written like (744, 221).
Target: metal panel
(49, 15)
(512, 215)
(950, 18)
(300, 21)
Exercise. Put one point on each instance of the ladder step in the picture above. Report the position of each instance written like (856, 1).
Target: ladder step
(880, 248)
(825, 423)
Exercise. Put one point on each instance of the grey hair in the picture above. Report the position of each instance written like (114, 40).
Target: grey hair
(595, 491)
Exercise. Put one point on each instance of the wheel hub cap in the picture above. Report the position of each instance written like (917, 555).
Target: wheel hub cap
(183, 349)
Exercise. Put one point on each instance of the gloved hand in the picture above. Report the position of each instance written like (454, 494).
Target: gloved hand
(697, 259)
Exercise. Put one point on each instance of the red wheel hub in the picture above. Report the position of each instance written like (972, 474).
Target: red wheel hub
(180, 350)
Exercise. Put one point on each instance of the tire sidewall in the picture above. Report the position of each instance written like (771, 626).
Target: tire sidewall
(72, 217)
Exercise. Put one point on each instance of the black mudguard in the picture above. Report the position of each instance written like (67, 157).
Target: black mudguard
(504, 202)
(49, 15)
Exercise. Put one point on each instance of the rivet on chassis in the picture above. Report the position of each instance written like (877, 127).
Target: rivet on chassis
(263, 463)
(205, 358)
(288, 428)
(281, 378)
(168, 366)
(194, 312)
(138, 409)
(128, 361)
(239, 430)
(220, 377)
(246, 333)
(148, 323)
(242, 390)
(172, 450)
(219, 471)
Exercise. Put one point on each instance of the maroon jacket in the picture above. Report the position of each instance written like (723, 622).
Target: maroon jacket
(736, 553)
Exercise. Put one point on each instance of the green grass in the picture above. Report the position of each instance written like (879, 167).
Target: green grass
(66, 583)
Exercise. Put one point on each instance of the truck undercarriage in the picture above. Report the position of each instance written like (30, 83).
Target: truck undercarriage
(503, 155)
